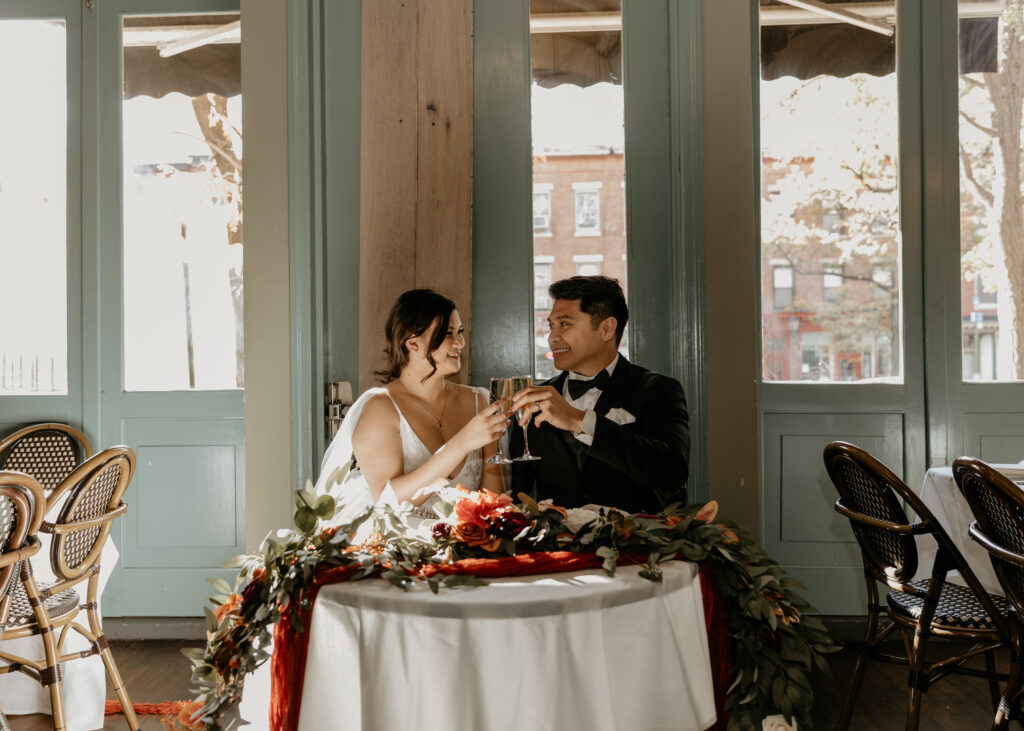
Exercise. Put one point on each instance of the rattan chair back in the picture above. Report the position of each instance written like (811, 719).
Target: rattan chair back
(48, 452)
(90, 500)
(21, 510)
(869, 495)
(998, 507)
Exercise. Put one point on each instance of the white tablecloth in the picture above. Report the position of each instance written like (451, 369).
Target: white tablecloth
(555, 651)
(84, 681)
(941, 495)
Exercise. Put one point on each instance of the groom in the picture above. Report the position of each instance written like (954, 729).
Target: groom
(606, 431)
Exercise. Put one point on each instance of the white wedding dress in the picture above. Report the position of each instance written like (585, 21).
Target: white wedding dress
(353, 494)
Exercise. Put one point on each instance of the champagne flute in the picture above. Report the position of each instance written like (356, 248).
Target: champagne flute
(518, 384)
(500, 388)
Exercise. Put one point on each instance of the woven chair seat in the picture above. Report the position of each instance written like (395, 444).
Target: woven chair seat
(957, 608)
(58, 605)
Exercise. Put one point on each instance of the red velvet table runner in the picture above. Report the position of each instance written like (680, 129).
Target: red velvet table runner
(290, 647)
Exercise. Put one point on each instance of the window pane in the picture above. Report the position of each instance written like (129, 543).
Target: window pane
(33, 207)
(578, 163)
(831, 307)
(991, 216)
(182, 205)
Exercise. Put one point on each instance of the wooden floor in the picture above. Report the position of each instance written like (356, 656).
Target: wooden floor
(156, 671)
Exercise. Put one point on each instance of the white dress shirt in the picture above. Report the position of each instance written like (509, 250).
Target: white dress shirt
(586, 402)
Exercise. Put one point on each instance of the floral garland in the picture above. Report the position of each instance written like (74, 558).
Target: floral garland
(775, 642)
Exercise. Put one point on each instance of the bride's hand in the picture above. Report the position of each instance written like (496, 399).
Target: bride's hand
(484, 428)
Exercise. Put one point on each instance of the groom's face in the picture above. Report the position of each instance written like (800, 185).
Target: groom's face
(576, 344)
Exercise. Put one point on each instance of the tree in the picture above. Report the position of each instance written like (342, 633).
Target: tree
(990, 166)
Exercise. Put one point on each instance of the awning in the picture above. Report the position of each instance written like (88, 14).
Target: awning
(212, 68)
(575, 42)
(800, 43)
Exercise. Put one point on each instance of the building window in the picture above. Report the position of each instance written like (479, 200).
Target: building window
(782, 287)
(542, 209)
(541, 281)
(587, 208)
(882, 277)
(588, 265)
(831, 281)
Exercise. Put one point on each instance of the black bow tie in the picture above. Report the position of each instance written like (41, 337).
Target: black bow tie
(578, 387)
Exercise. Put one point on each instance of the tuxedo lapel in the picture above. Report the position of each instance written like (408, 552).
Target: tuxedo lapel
(611, 393)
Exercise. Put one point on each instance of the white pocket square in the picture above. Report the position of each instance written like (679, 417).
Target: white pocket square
(620, 416)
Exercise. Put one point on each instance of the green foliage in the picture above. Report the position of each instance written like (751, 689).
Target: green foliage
(775, 644)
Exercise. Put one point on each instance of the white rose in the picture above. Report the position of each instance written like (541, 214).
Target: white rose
(777, 723)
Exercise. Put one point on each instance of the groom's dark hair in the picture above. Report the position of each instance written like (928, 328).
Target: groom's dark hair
(600, 297)
(412, 315)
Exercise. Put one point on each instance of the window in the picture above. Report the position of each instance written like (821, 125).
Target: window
(542, 209)
(33, 205)
(782, 287)
(182, 218)
(831, 281)
(587, 208)
(578, 139)
(829, 137)
(991, 257)
(588, 265)
(541, 281)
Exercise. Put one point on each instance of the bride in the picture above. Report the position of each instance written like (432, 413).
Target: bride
(420, 432)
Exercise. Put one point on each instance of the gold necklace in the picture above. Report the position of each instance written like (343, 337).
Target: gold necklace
(419, 402)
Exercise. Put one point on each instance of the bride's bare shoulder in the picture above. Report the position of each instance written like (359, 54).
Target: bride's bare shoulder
(378, 411)
(466, 394)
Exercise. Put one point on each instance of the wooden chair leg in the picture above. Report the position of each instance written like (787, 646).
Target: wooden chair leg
(96, 627)
(50, 676)
(866, 651)
(993, 684)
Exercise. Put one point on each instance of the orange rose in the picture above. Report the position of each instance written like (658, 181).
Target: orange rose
(471, 534)
(673, 520)
(728, 535)
(230, 606)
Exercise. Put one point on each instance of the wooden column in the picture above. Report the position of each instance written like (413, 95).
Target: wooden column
(416, 147)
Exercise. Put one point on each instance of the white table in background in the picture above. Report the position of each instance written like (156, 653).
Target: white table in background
(83, 681)
(941, 496)
(545, 652)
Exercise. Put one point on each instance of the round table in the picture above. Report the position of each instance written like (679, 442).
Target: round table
(552, 651)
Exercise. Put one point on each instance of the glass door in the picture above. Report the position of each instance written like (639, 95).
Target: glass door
(173, 355)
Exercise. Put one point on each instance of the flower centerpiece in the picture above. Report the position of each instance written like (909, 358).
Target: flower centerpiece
(775, 642)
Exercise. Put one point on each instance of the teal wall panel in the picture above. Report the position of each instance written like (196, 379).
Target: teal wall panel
(169, 483)
(800, 527)
(994, 437)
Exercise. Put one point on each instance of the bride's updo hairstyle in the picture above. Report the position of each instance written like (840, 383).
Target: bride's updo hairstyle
(412, 315)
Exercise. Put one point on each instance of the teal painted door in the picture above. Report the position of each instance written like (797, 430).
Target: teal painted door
(171, 360)
(950, 396)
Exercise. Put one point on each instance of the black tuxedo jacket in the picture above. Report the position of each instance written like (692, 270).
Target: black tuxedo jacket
(637, 467)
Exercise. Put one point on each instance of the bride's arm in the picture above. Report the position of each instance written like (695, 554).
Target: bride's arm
(378, 448)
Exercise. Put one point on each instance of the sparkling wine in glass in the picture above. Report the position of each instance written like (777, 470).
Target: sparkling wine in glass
(518, 384)
(500, 388)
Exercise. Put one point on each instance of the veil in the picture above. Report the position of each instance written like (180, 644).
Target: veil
(352, 493)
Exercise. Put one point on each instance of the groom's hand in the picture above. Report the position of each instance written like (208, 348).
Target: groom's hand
(545, 404)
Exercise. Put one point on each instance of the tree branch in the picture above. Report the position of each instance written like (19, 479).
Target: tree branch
(982, 193)
(977, 125)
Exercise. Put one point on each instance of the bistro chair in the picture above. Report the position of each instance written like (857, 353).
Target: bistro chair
(870, 495)
(21, 510)
(998, 507)
(87, 502)
(48, 452)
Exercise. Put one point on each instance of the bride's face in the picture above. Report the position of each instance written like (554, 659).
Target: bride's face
(448, 355)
